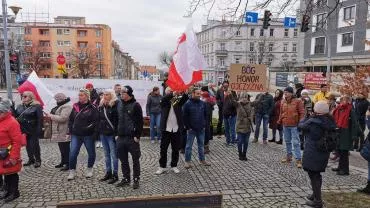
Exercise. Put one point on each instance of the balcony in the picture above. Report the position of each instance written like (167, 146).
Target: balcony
(222, 53)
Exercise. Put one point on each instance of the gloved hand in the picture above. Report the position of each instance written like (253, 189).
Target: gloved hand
(9, 163)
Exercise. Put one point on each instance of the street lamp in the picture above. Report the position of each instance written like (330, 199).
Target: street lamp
(15, 9)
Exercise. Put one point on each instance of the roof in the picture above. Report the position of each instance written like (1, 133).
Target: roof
(149, 69)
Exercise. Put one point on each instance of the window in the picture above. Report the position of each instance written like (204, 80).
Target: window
(60, 43)
(97, 33)
(321, 3)
(271, 46)
(270, 59)
(286, 33)
(223, 33)
(45, 55)
(99, 55)
(238, 33)
(319, 45)
(73, 22)
(98, 45)
(44, 32)
(28, 54)
(69, 66)
(222, 46)
(237, 59)
(67, 31)
(349, 13)
(271, 32)
(285, 47)
(82, 44)
(238, 45)
(347, 39)
(66, 22)
(294, 48)
(261, 47)
(320, 20)
(59, 31)
(261, 32)
(44, 43)
(68, 54)
(81, 33)
(252, 61)
(99, 67)
(251, 47)
(285, 57)
(222, 62)
(27, 31)
(295, 33)
(67, 43)
(28, 43)
(252, 31)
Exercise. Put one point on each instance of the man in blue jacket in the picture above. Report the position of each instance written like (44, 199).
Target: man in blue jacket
(194, 115)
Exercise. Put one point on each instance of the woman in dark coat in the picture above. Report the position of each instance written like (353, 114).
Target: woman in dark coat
(366, 190)
(274, 117)
(314, 160)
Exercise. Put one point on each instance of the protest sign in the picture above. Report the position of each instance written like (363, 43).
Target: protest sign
(251, 78)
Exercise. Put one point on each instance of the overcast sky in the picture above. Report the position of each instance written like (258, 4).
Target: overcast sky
(144, 28)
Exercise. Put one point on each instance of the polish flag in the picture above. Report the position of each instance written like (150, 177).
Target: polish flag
(188, 62)
(42, 94)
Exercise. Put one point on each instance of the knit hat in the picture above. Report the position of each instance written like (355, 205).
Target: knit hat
(289, 89)
(86, 92)
(60, 97)
(5, 106)
(89, 85)
(304, 92)
(128, 90)
(321, 107)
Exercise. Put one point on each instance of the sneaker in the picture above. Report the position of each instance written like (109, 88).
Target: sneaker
(279, 142)
(72, 175)
(136, 184)
(299, 163)
(113, 179)
(89, 173)
(37, 164)
(204, 163)
(187, 165)
(175, 170)
(160, 171)
(255, 140)
(124, 182)
(287, 159)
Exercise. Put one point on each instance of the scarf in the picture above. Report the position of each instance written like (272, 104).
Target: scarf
(54, 110)
(341, 115)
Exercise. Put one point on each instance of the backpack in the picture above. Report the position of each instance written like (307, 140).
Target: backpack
(329, 140)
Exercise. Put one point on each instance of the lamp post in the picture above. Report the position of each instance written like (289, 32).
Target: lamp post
(15, 9)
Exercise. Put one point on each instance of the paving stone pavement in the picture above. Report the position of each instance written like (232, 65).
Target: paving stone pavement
(259, 182)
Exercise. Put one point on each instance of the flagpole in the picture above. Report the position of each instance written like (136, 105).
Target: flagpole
(6, 52)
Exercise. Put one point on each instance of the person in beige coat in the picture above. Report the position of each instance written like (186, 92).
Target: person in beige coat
(59, 116)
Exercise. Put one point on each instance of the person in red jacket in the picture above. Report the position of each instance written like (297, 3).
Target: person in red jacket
(10, 151)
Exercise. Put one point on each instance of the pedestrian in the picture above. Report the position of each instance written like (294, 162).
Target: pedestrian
(291, 113)
(315, 160)
(108, 121)
(346, 120)
(263, 106)
(220, 98)
(360, 105)
(322, 94)
(298, 90)
(308, 110)
(194, 115)
(117, 89)
(94, 96)
(229, 114)
(30, 116)
(366, 190)
(10, 150)
(59, 116)
(274, 117)
(171, 126)
(332, 102)
(209, 101)
(130, 127)
(243, 124)
(211, 89)
(83, 127)
(153, 110)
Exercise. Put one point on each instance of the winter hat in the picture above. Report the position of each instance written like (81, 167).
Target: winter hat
(60, 97)
(321, 107)
(128, 90)
(289, 89)
(86, 92)
(89, 85)
(304, 92)
(5, 106)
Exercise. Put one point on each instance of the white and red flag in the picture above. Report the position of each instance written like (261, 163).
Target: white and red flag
(188, 62)
(42, 94)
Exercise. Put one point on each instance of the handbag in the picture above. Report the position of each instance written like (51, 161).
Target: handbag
(365, 151)
(4, 152)
(106, 117)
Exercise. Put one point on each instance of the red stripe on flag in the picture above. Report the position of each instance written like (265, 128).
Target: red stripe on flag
(176, 83)
(29, 86)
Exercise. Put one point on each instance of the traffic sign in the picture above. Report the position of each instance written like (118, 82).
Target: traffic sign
(251, 17)
(61, 60)
(290, 22)
(62, 69)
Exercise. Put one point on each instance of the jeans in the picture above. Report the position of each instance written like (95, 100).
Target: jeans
(173, 138)
(64, 148)
(33, 148)
(155, 120)
(292, 140)
(76, 143)
(243, 140)
(110, 153)
(127, 145)
(230, 134)
(189, 144)
(259, 119)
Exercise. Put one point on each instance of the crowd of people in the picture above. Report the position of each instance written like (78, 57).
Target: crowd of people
(114, 118)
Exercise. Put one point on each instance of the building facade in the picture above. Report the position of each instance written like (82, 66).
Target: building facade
(149, 73)
(122, 63)
(223, 43)
(340, 39)
(86, 47)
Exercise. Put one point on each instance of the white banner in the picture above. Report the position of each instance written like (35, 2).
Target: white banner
(70, 88)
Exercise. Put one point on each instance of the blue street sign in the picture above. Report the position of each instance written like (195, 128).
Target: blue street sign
(251, 17)
(290, 22)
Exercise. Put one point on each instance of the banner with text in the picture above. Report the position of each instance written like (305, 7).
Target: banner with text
(312, 81)
(251, 78)
(70, 87)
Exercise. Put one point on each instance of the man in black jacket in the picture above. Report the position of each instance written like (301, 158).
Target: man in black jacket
(171, 127)
(130, 127)
(360, 106)
(263, 106)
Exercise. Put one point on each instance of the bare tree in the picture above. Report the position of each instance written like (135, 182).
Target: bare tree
(288, 66)
(355, 83)
(165, 58)
(36, 56)
(85, 63)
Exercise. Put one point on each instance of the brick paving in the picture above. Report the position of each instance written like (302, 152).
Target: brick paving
(260, 182)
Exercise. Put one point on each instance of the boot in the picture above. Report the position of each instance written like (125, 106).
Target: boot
(287, 159)
(204, 163)
(255, 140)
(124, 182)
(272, 140)
(65, 167)
(206, 149)
(136, 183)
(279, 142)
(107, 176)
(37, 164)
(60, 165)
(12, 196)
(310, 197)
(29, 163)
(240, 156)
(244, 156)
(316, 204)
(113, 179)
(4, 194)
(365, 190)
(299, 163)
